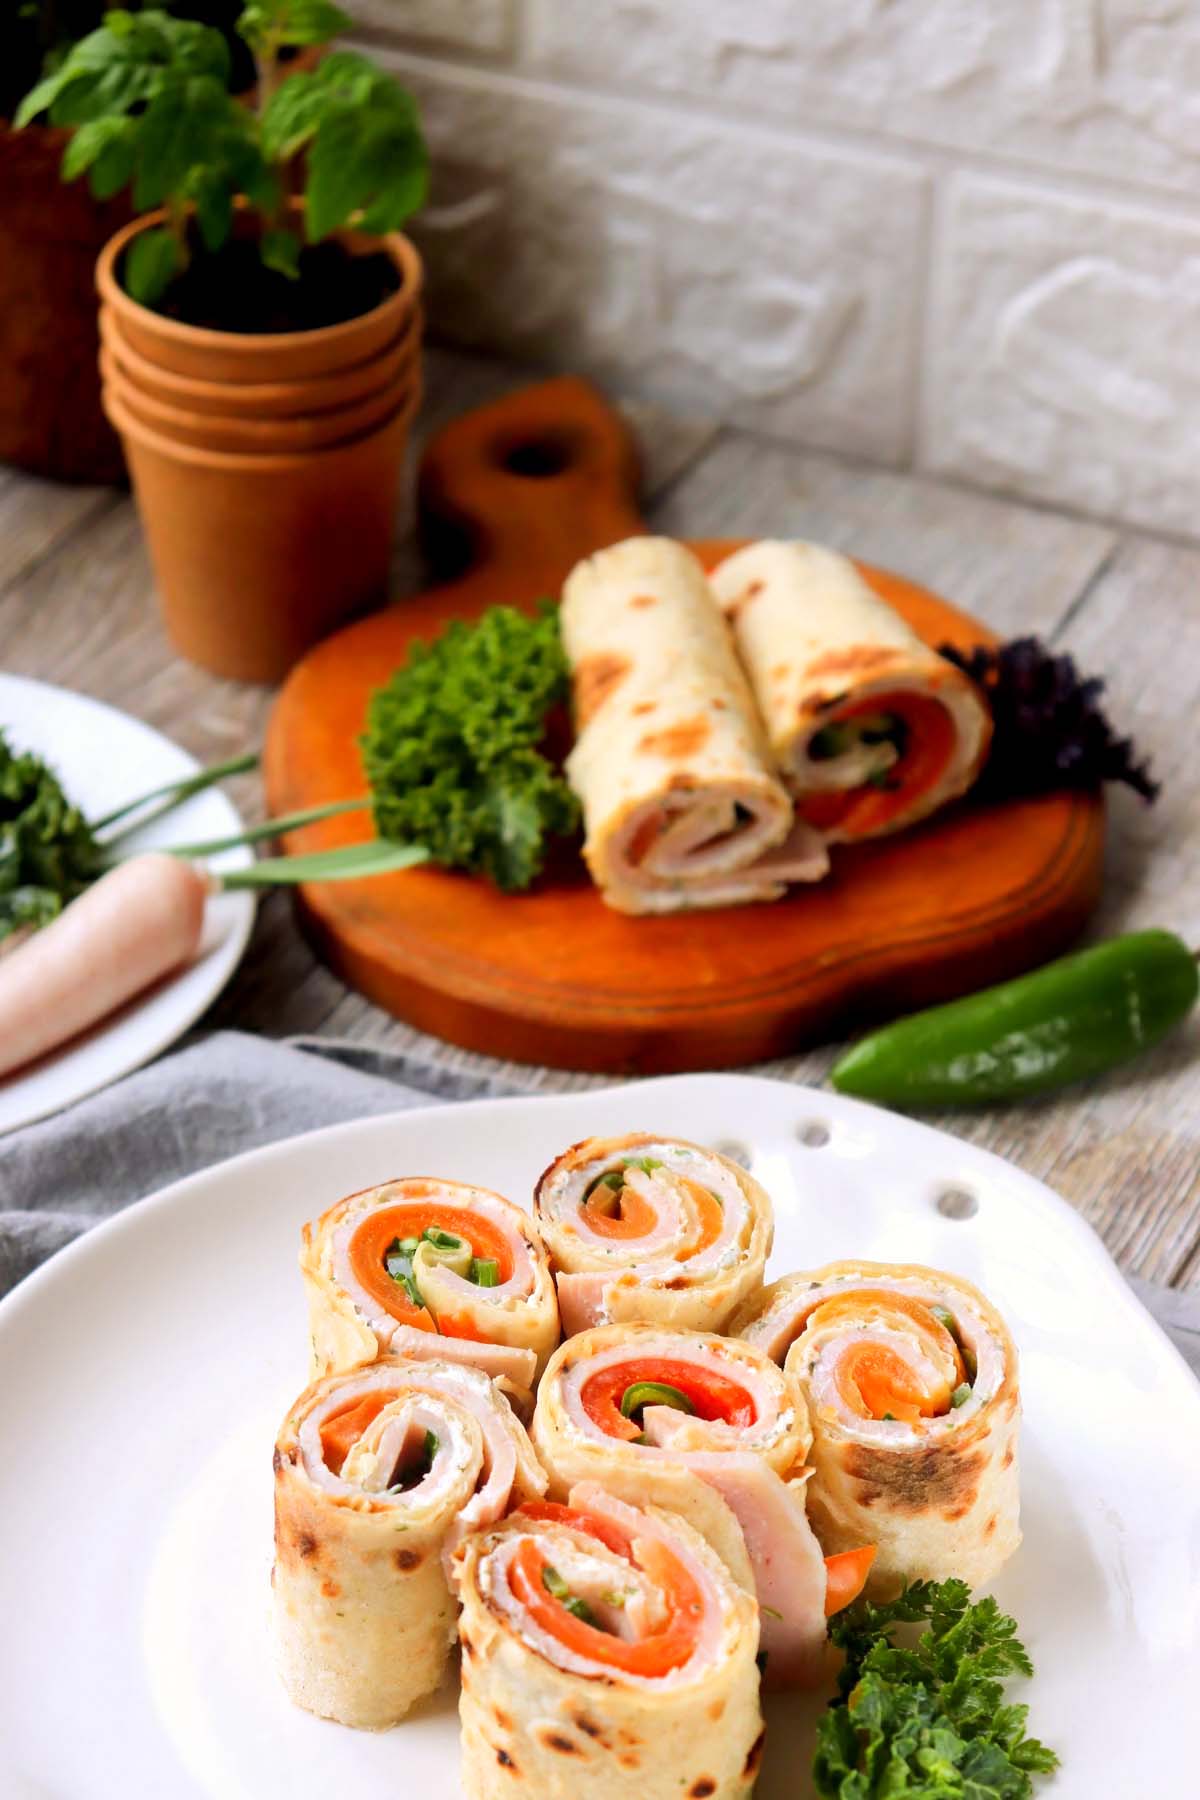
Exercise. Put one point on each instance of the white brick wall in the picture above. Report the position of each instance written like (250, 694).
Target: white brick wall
(960, 233)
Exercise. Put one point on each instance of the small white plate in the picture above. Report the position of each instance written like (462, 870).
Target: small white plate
(148, 1367)
(103, 758)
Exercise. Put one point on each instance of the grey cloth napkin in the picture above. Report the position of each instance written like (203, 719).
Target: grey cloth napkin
(231, 1092)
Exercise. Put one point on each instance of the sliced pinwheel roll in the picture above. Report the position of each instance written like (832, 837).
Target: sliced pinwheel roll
(378, 1474)
(707, 1427)
(640, 1227)
(911, 1381)
(681, 805)
(870, 728)
(606, 1652)
(422, 1267)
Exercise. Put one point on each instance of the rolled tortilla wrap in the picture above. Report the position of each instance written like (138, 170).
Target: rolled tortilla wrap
(742, 1442)
(640, 1227)
(433, 1303)
(934, 1485)
(607, 1653)
(378, 1475)
(680, 805)
(870, 728)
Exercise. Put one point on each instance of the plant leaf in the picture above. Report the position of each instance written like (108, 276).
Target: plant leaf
(280, 250)
(212, 196)
(151, 263)
(89, 142)
(311, 22)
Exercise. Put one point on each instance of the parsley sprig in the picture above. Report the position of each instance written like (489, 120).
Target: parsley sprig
(451, 748)
(48, 853)
(928, 1721)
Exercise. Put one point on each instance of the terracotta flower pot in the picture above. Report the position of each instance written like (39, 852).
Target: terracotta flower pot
(265, 531)
(229, 356)
(267, 399)
(257, 437)
(256, 557)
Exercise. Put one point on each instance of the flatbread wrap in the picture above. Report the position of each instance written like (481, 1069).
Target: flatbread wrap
(659, 1229)
(708, 1428)
(379, 1473)
(870, 729)
(425, 1267)
(911, 1381)
(681, 806)
(607, 1654)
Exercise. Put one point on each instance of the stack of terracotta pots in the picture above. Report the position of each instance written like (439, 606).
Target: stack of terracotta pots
(266, 468)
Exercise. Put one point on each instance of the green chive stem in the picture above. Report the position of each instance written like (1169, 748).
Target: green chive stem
(174, 793)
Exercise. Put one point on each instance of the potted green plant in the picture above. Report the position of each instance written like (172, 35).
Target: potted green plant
(260, 327)
(51, 418)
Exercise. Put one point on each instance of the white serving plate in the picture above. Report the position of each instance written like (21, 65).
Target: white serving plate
(148, 1366)
(103, 758)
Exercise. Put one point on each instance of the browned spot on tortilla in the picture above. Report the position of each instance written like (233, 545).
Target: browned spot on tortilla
(677, 1281)
(1008, 1456)
(682, 784)
(277, 1461)
(702, 1787)
(502, 1718)
(869, 1496)
(755, 1757)
(781, 671)
(739, 601)
(990, 1526)
(851, 661)
(468, 1649)
(959, 1512)
(506, 1761)
(307, 1544)
(719, 706)
(643, 707)
(588, 1726)
(330, 1588)
(641, 601)
(683, 739)
(716, 1709)
(631, 1738)
(594, 680)
(927, 1480)
(554, 1740)
(628, 1760)
(407, 1560)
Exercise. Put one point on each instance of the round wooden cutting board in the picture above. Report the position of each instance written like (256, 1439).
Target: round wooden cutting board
(518, 492)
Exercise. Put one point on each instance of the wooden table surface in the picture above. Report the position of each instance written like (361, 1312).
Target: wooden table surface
(76, 608)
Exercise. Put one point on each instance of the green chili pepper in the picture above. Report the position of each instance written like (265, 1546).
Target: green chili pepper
(653, 1393)
(1076, 1017)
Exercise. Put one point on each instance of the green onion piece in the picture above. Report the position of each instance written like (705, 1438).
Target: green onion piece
(889, 1419)
(647, 1164)
(431, 1446)
(485, 1271)
(443, 1240)
(653, 1393)
(555, 1586)
(945, 1317)
(830, 741)
(613, 1178)
(961, 1394)
(770, 1612)
(407, 1246)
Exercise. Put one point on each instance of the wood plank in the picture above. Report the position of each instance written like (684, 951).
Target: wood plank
(36, 515)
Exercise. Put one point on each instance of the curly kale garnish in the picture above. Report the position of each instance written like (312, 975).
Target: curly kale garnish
(48, 854)
(929, 1721)
(451, 748)
(1049, 728)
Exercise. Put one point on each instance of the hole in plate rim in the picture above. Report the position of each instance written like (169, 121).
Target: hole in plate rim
(956, 1201)
(814, 1134)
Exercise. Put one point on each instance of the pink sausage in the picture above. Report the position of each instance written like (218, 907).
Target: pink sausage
(136, 924)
